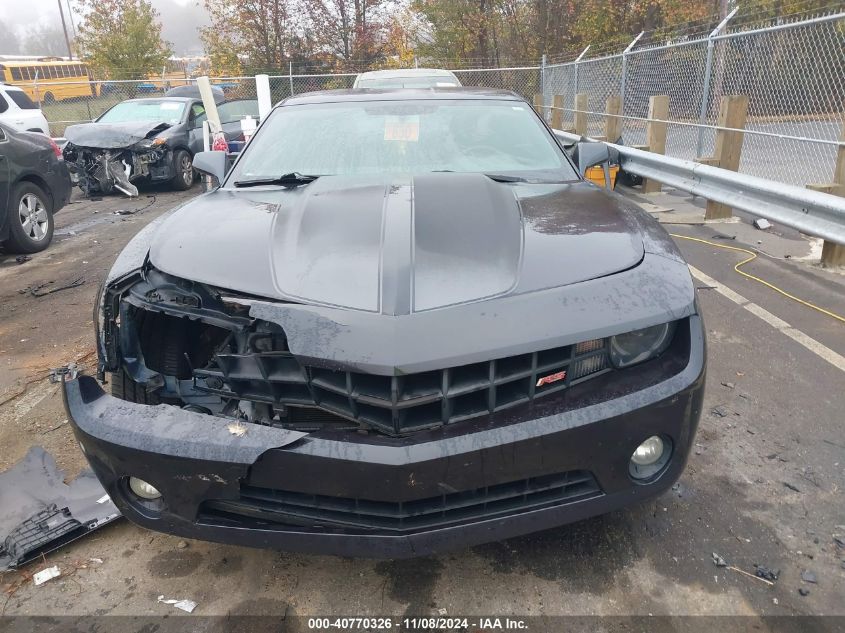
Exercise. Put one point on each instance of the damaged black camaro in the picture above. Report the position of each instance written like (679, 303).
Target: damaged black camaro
(407, 325)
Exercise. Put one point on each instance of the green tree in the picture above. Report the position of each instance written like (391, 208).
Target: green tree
(122, 38)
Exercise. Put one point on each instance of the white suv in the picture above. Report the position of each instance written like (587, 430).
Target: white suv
(19, 112)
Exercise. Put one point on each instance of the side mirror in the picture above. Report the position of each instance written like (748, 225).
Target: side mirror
(589, 154)
(212, 164)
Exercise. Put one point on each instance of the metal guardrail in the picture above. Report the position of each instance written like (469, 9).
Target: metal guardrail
(811, 212)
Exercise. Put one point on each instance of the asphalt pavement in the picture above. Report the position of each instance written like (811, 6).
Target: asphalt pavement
(762, 487)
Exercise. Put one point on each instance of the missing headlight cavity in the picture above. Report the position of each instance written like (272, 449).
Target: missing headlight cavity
(173, 346)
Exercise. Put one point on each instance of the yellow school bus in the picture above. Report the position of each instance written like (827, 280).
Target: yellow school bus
(47, 80)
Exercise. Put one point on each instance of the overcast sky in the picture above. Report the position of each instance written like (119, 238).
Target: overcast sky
(180, 20)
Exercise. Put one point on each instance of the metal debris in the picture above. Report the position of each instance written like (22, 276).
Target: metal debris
(745, 573)
(44, 575)
(718, 560)
(38, 290)
(762, 224)
(809, 576)
(719, 411)
(791, 486)
(185, 604)
(761, 571)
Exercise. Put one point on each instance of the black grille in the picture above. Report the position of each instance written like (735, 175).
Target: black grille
(319, 511)
(402, 404)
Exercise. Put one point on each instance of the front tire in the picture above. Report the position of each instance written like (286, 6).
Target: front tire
(183, 165)
(30, 219)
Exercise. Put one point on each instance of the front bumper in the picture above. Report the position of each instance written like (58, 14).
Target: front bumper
(205, 472)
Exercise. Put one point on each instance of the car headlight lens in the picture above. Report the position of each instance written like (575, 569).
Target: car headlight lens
(648, 452)
(640, 345)
(144, 489)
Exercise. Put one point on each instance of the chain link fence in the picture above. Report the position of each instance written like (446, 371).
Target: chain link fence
(793, 74)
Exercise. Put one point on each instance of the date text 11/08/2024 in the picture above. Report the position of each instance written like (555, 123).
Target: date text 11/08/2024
(417, 624)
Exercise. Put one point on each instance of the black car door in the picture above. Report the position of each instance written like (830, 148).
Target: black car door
(5, 181)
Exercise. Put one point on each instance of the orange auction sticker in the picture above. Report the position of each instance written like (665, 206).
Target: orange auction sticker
(402, 128)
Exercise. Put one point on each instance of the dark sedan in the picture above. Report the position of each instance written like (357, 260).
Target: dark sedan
(403, 323)
(146, 140)
(34, 184)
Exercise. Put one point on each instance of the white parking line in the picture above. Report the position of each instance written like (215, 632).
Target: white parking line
(779, 324)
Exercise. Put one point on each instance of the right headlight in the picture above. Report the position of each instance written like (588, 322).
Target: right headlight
(640, 345)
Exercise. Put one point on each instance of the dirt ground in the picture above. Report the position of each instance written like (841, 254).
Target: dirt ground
(764, 485)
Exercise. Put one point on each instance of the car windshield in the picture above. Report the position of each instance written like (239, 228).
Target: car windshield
(378, 137)
(408, 82)
(157, 110)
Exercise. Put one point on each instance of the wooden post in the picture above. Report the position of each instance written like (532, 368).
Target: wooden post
(613, 124)
(834, 254)
(733, 111)
(582, 103)
(538, 105)
(658, 113)
(557, 112)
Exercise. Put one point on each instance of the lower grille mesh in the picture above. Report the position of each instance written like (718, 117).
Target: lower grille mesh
(320, 511)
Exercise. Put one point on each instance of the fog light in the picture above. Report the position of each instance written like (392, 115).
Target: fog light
(143, 489)
(649, 452)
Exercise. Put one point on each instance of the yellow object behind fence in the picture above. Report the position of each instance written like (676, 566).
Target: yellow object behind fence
(596, 175)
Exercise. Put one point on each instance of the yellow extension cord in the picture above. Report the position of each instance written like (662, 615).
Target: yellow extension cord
(752, 257)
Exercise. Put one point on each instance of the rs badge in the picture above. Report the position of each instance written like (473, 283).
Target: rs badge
(547, 380)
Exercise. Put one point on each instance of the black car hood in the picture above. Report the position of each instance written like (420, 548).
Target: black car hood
(398, 245)
(112, 135)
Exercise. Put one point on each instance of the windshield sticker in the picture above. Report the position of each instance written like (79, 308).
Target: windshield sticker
(402, 128)
(171, 106)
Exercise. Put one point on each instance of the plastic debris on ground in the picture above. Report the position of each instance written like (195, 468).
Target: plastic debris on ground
(41, 512)
(809, 576)
(185, 605)
(39, 578)
(762, 224)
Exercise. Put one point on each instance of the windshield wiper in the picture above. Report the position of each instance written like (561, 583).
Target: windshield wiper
(506, 178)
(293, 179)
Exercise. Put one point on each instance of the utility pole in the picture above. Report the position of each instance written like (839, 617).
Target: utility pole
(70, 18)
(64, 28)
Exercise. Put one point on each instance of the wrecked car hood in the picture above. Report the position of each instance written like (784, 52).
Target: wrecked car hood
(399, 245)
(112, 135)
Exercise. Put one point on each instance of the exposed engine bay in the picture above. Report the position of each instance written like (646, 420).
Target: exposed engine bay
(104, 170)
(177, 339)
(113, 160)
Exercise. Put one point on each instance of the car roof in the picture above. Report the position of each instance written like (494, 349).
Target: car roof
(176, 99)
(403, 94)
(407, 72)
(10, 87)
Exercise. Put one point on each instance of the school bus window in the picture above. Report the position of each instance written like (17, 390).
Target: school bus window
(16, 74)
